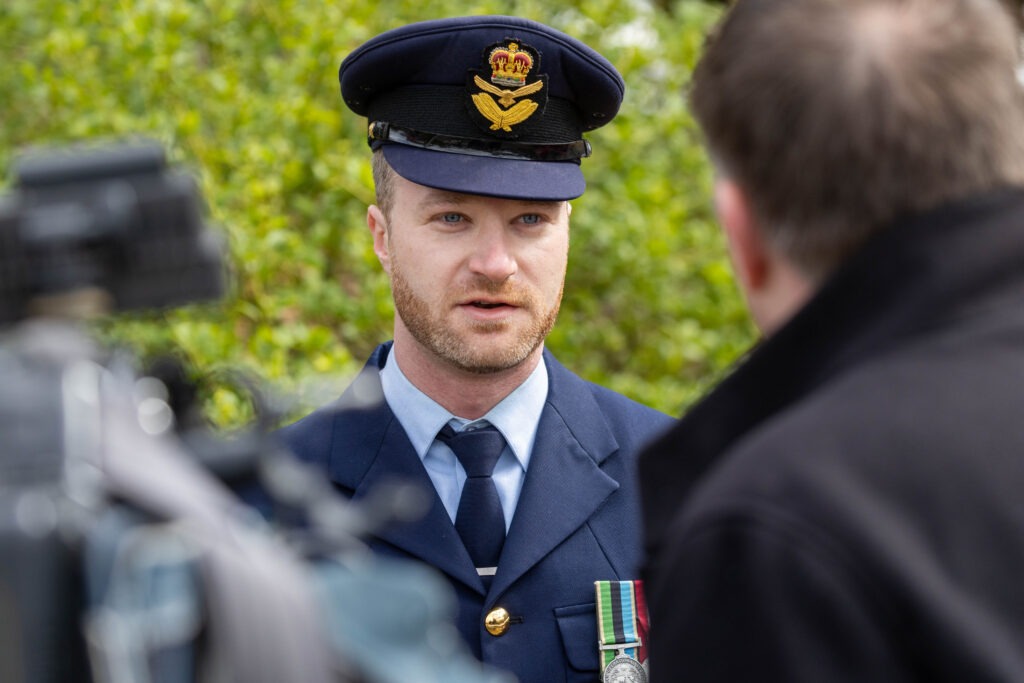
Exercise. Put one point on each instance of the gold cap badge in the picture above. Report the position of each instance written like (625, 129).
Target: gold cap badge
(504, 96)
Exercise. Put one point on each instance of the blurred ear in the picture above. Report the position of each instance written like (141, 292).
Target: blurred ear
(774, 288)
(378, 225)
(747, 247)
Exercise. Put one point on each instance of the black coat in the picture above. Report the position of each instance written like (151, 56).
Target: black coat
(848, 505)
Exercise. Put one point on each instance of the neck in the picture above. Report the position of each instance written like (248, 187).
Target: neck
(465, 394)
(785, 292)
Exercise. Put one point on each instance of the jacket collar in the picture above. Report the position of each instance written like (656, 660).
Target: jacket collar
(918, 274)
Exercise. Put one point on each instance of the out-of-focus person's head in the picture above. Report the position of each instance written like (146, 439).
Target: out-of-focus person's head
(835, 117)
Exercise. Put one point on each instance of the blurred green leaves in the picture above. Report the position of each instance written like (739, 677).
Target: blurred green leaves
(244, 93)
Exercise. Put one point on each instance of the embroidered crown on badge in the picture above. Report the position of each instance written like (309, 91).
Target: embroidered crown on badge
(510, 65)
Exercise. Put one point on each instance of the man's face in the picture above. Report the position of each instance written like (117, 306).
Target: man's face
(477, 281)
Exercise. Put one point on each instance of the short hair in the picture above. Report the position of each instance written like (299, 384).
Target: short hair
(383, 182)
(838, 116)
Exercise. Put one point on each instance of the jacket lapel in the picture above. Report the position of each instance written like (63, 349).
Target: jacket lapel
(432, 538)
(565, 484)
(370, 449)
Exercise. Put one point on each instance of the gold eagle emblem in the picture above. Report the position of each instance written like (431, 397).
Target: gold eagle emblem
(513, 112)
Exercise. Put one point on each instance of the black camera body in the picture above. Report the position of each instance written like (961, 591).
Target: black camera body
(85, 231)
(125, 559)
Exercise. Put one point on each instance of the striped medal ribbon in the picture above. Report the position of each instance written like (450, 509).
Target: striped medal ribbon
(622, 631)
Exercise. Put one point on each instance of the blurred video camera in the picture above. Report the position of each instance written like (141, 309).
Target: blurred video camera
(127, 554)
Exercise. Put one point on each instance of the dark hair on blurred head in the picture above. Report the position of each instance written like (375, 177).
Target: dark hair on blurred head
(837, 116)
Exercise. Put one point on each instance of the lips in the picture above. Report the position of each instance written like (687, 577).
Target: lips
(490, 308)
(491, 300)
(487, 304)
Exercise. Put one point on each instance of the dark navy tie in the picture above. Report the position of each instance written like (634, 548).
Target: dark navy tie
(480, 520)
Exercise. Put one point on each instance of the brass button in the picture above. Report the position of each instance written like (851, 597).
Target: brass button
(497, 620)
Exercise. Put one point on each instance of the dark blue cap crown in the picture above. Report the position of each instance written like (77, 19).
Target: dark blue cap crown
(486, 105)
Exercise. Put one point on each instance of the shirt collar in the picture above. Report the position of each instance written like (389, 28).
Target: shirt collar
(516, 416)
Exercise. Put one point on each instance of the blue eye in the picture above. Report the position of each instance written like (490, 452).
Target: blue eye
(531, 219)
(451, 217)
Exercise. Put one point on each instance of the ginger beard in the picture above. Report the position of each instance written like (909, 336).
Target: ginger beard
(494, 352)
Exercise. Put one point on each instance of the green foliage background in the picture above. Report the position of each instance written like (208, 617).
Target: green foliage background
(244, 93)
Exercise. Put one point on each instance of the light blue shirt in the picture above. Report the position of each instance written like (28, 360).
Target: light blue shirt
(516, 417)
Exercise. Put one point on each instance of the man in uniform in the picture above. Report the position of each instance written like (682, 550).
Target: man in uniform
(847, 505)
(476, 126)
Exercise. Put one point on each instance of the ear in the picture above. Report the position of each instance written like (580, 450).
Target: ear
(746, 243)
(378, 225)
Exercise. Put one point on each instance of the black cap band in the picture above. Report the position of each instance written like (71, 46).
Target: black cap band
(382, 131)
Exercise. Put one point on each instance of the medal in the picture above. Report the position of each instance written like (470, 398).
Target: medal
(621, 627)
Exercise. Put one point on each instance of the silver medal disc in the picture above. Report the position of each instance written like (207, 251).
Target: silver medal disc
(624, 669)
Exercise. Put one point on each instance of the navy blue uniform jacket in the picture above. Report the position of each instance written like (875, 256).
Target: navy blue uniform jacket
(577, 521)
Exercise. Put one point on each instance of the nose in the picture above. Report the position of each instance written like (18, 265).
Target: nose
(492, 254)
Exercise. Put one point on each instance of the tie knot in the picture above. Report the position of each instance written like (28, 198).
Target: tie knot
(478, 450)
